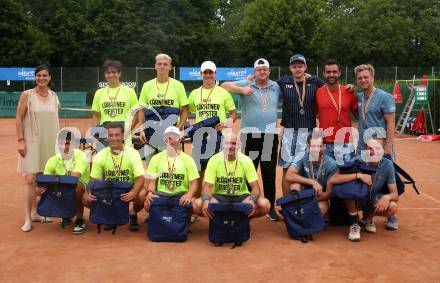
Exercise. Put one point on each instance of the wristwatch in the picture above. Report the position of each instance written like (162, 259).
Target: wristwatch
(253, 198)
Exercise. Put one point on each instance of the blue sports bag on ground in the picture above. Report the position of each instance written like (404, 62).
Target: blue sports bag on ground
(109, 209)
(356, 166)
(59, 199)
(301, 214)
(168, 220)
(230, 223)
(355, 190)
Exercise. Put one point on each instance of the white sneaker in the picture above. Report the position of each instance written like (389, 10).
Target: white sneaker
(355, 233)
(370, 227)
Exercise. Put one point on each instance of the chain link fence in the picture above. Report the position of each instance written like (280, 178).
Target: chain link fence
(89, 79)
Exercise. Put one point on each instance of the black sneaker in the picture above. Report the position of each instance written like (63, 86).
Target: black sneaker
(273, 215)
(133, 225)
(79, 227)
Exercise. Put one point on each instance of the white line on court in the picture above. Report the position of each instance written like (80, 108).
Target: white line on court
(404, 139)
(430, 197)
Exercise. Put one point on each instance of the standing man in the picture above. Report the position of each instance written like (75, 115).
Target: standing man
(164, 91)
(118, 162)
(259, 133)
(376, 108)
(209, 101)
(298, 116)
(115, 101)
(334, 103)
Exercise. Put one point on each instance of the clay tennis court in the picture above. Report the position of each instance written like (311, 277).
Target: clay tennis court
(50, 254)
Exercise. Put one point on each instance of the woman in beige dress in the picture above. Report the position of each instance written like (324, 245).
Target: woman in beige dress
(37, 127)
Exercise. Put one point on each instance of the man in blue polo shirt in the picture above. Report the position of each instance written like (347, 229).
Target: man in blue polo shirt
(376, 108)
(298, 116)
(314, 169)
(259, 132)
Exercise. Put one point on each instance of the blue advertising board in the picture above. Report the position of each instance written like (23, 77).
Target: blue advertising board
(223, 74)
(17, 74)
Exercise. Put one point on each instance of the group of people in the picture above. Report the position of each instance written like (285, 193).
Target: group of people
(317, 136)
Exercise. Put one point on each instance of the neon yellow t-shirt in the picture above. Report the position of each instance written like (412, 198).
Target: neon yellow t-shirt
(105, 167)
(216, 104)
(124, 100)
(226, 181)
(185, 171)
(78, 164)
(175, 96)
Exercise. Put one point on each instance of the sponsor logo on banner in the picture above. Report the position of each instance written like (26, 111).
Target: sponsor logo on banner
(223, 74)
(17, 74)
(129, 84)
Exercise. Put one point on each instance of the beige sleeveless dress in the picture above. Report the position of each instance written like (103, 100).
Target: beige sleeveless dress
(41, 126)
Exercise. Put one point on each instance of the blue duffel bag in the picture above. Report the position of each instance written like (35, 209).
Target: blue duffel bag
(209, 122)
(59, 199)
(301, 214)
(354, 190)
(109, 209)
(158, 115)
(356, 166)
(230, 223)
(168, 221)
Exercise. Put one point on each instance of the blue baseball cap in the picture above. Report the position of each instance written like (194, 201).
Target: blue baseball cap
(298, 58)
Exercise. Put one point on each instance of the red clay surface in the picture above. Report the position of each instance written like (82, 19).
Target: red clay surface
(50, 254)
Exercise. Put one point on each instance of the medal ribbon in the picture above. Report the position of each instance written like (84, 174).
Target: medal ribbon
(230, 192)
(113, 100)
(171, 169)
(338, 107)
(201, 96)
(114, 164)
(264, 98)
(319, 170)
(159, 95)
(68, 172)
(365, 106)
(301, 96)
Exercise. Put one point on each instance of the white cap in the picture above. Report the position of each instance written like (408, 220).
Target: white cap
(261, 62)
(208, 65)
(172, 130)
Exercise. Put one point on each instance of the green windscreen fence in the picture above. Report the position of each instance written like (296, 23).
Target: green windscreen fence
(70, 100)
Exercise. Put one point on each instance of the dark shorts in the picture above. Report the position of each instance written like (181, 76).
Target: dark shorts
(196, 154)
(230, 199)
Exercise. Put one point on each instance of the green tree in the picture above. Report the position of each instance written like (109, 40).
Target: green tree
(277, 29)
(20, 44)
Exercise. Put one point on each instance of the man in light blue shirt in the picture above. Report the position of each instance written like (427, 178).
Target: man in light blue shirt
(376, 110)
(259, 133)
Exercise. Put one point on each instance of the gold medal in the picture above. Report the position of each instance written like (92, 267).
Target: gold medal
(116, 167)
(69, 168)
(160, 95)
(312, 173)
(337, 106)
(264, 98)
(204, 101)
(230, 176)
(113, 111)
(301, 96)
(171, 171)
